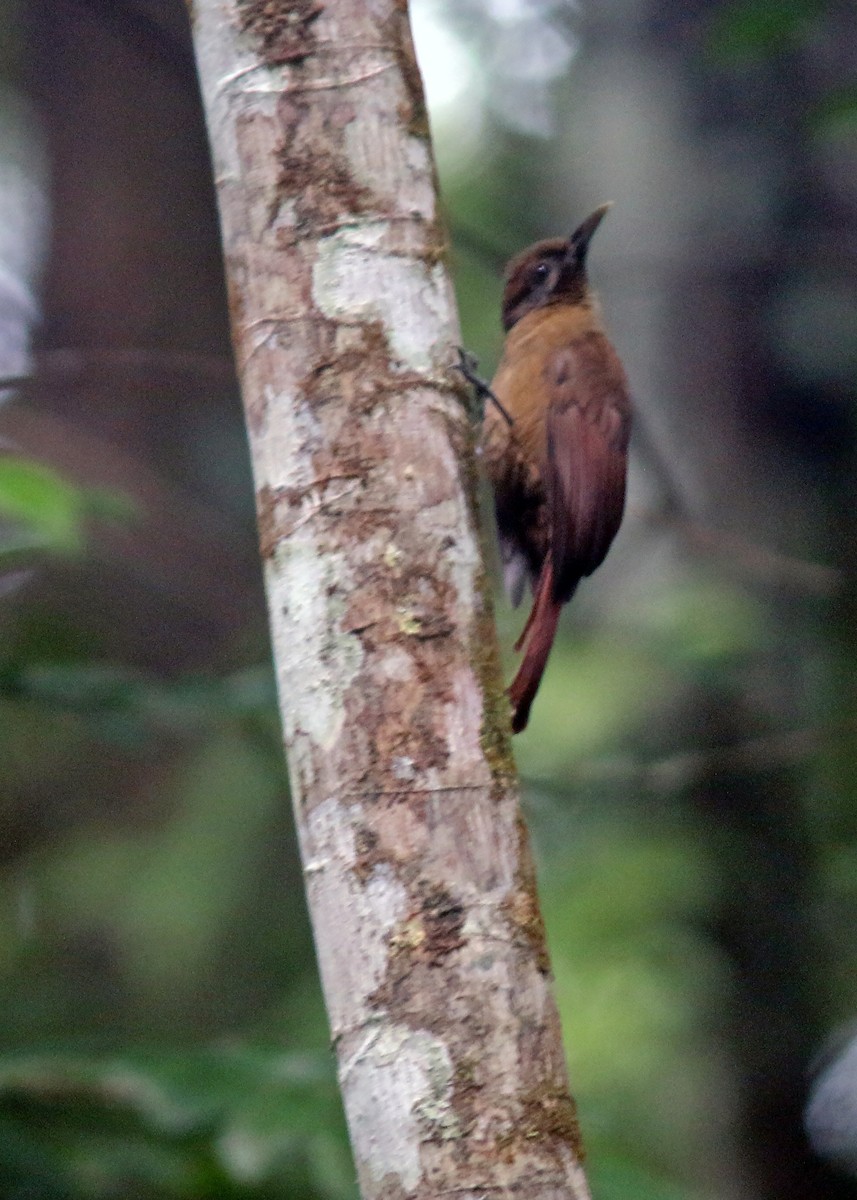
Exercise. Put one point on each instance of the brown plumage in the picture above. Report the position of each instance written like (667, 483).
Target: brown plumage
(558, 470)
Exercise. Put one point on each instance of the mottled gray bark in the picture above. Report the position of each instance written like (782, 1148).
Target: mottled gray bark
(417, 863)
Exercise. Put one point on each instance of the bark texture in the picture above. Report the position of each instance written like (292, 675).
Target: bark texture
(417, 864)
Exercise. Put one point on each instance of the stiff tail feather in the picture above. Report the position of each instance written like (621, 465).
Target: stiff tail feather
(538, 634)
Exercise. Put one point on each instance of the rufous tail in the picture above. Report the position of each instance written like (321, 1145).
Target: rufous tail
(538, 634)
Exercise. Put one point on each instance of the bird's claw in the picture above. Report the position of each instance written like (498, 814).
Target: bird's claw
(467, 364)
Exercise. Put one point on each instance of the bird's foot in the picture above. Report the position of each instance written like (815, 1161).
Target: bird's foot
(467, 364)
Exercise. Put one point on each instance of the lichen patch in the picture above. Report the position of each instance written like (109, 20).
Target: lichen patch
(353, 281)
(315, 671)
(407, 1072)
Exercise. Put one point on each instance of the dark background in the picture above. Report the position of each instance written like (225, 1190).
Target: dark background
(689, 768)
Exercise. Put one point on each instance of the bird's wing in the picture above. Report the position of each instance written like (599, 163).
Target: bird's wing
(519, 495)
(587, 455)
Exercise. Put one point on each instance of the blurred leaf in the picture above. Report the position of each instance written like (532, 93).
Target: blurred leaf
(596, 687)
(704, 624)
(102, 504)
(614, 1178)
(126, 707)
(46, 512)
(51, 508)
(211, 1122)
(836, 116)
(755, 29)
(17, 544)
(664, 877)
(192, 882)
(29, 1165)
(625, 907)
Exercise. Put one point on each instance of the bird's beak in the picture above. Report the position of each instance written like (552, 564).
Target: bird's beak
(579, 241)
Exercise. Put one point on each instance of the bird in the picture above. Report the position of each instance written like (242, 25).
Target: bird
(554, 441)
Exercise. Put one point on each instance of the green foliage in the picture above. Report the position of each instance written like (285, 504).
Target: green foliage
(755, 29)
(45, 512)
(235, 1120)
(615, 1178)
(836, 115)
(749, 32)
(701, 624)
(168, 911)
(635, 975)
(129, 707)
(242, 1118)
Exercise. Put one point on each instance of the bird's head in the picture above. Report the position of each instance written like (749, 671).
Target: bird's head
(550, 272)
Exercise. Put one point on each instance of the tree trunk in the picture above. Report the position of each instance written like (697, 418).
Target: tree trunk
(417, 864)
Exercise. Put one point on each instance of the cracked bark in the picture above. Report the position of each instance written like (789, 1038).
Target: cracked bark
(417, 864)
